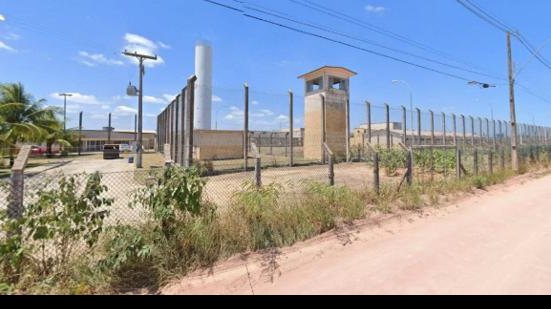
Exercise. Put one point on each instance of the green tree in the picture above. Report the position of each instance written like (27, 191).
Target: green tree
(23, 119)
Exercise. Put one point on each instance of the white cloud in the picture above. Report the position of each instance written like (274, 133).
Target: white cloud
(169, 97)
(125, 110)
(131, 38)
(7, 47)
(153, 100)
(282, 118)
(93, 59)
(255, 102)
(266, 112)
(216, 98)
(105, 106)
(150, 115)
(12, 36)
(375, 9)
(2, 18)
(76, 97)
(142, 45)
(163, 45)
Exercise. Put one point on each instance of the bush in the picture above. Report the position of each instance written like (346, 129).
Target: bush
(480, 182)
(43, 240)
(392, 159)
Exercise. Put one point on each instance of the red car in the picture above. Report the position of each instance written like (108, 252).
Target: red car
(38, 150)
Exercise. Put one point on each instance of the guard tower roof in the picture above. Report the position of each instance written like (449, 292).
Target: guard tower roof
(341, 72)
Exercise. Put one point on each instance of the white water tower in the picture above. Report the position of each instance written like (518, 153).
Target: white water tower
(203, 86)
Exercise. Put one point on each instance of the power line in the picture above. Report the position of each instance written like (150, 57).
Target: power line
(441, 72)
(350, 19)
(490, 19)
(269, 12)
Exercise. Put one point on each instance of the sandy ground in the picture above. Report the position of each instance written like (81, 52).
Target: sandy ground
(496, 242)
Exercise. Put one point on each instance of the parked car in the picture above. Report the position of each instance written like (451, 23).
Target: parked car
(38, 150)
(111, 151)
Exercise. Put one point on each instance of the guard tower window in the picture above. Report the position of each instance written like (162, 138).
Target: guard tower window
(337, 83)
(315, 85)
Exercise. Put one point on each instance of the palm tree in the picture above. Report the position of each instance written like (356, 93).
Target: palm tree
(56, 135)
(23, 118)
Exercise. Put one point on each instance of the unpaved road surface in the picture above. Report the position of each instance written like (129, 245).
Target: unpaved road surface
(496, 242)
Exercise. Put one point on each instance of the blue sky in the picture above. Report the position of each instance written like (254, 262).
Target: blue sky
(75, 46)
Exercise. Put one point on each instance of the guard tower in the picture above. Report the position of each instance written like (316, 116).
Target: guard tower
(325, 100)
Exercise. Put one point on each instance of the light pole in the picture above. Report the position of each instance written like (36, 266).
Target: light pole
(65, 95)
(396, 82)
(132, 91)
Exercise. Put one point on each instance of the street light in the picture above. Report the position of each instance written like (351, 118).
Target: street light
(481, 85)
(65, 95)
(132, 91)
(396, 82)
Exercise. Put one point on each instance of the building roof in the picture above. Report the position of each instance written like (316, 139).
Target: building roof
(115, 131)
(331, 70)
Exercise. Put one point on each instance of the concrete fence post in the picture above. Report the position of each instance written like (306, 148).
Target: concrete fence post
(188, 121)
(15, 206)
(331, 159)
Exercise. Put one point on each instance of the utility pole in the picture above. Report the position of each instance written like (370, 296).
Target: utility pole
(109, 130)
(514, 156)
(135, 127)
(141, 59)
(79, 132)
(65, 95)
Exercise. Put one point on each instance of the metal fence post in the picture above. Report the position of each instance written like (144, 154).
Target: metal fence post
(464, 130)
(409, 162)
(454, 120)
(481, 142)
(472, 130)
(502, 158)
(404, 125)
(331, 171)
(443, 128)
(491, 162)
(257, 172)
(368, 106)
(475, 162)
(291, 129)
(419, 141)
(494, 141)
(323, 137)
(246, 129)
(458, 161)
(376, 179)
(431, 127)
(387, 127)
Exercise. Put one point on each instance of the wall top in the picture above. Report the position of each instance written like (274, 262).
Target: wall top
(340, 72)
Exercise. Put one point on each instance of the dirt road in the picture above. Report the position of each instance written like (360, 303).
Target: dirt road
(498, 242)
